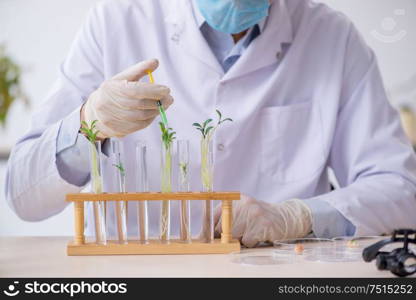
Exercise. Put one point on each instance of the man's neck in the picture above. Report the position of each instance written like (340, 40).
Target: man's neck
(238, 36)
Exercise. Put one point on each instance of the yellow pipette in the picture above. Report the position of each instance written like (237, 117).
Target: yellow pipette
(159, 103)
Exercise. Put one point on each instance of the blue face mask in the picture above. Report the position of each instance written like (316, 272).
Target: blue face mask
(233, 16)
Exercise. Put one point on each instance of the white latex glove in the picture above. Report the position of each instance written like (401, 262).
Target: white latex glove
(257, 221)
(122, 105)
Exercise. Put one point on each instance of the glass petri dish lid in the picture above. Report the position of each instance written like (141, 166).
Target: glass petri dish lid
(356, 243)
(264, 257)
(332, 254)
(361, 242)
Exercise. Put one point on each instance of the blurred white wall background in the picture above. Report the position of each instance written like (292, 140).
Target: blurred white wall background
(389, 27)
(38, 34)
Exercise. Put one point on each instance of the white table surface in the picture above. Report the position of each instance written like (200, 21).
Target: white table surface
(46, 257)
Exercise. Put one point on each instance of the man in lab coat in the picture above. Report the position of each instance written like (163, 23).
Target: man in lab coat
(304, 91)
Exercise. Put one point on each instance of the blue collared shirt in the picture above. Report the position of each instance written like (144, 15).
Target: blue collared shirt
(222, 44)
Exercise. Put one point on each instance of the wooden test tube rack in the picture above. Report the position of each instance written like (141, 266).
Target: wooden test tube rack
(224, 245)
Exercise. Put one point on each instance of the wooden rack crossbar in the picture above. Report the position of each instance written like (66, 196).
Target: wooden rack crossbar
(225, 245)
(152, 196)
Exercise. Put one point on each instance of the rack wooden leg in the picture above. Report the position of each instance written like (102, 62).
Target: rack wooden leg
(227, 215)
(79, 237)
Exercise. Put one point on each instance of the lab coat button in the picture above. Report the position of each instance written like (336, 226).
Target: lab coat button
(220, 147)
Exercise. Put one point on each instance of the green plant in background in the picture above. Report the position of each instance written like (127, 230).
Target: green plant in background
(91, 133)
(166, 179)
(10, 85)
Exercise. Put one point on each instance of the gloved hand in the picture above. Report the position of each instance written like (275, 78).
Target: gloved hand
(257, 221)
(122, 105)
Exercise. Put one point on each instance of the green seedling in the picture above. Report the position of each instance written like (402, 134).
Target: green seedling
(90, 131)
(207, 129)
(184, 168)
(121, 169)
(167, 135)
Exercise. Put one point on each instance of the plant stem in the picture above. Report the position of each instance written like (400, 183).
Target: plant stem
(121, 210)
(98, 206)
(95, 170)
(166, 188)
(206, 164)
(207, 184)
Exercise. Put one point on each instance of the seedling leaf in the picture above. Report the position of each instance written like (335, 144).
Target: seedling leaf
(219, 114)
(208, 130)
(205, 129)
(120, 168)
(90, 131)
(207, 122)
(167, 135)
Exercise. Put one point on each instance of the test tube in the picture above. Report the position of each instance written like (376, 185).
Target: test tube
(166, 187)
(183, 186)
(207, 161)
(142, 185)
(121, 206)
(96, 185)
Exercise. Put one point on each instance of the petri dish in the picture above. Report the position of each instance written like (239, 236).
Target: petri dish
(360, 243)
(352, 247)
(355, 243)
(303, 246)
(264, 257)
(332, 254)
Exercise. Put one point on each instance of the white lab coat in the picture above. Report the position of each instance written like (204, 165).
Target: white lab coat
(321, 105)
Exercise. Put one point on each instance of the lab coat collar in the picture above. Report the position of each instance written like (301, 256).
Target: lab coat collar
(200, 20)
(277, 31)
(184, 31)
